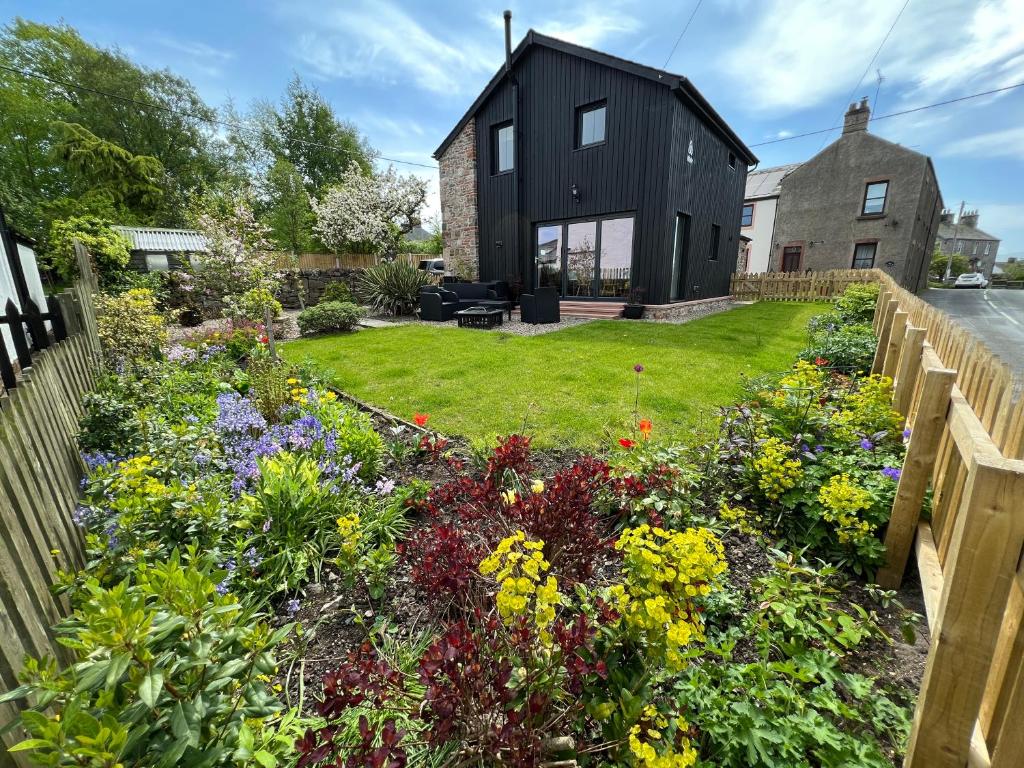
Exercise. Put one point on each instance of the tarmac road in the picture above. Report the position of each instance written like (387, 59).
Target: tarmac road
(995, 316)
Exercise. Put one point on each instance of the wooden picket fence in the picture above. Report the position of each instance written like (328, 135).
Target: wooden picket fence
(40, 469)
(324, 261)
(965, 410)
(797, 286)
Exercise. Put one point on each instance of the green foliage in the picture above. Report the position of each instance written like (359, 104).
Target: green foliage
(329, 316)
(940, 260)
(392, 288)
(131, 330)
(857, 304)
(798, 702)
(288, 212)
(843, 345)
(110, 250)
(128, 180)
(270, 385)
(167, 673)
(432, 246)
(252, 305)
(108, 419)
(337, 291)
(1014, 270)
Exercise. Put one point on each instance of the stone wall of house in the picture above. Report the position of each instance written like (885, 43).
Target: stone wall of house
(687, 310)
(459, 204)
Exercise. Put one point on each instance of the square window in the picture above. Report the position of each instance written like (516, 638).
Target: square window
(864, 255)
(590, 125)
(874, 198)
(503, 147)
(747, 218)
(157, 262)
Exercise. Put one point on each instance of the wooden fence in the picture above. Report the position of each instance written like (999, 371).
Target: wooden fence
(40, 468)
(965, 410)
(797, 286)
(322, 261)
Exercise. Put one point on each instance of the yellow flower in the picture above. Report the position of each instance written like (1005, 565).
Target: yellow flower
(509, 497)
(537, 486)
(518, 565)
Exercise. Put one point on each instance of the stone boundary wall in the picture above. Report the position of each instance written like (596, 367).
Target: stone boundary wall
(688, 310)
(313, 282)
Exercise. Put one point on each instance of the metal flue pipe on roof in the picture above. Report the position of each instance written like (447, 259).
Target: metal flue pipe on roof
(508, 41)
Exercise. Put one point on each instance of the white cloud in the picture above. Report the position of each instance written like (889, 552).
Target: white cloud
(379, 41)
(801, 54)
(588, 24)
(195, 49)
(1005, 143)
(1004, 220)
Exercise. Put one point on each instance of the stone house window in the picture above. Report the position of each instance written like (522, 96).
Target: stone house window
(864, 255)
(747, 217)
(874, 198)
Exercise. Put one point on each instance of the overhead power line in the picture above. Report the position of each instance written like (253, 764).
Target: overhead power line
(678, 39)
(185, 113)
(867, 69)
(895, 114)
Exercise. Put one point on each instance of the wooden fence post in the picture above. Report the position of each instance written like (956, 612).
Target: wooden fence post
(897, 332)
(908, 370)
(884, 327)
(917, 470)
(981, 565)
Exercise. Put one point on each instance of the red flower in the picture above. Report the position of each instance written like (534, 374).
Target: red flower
(645, 428)
(263, 340)
(625, 442)
(421, 419)
(820, 361)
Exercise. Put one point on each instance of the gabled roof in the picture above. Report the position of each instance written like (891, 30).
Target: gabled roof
(164, 240)
(682, 87)
(767, 182)
(964, 232)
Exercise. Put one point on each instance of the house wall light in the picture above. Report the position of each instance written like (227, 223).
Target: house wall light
(575, 191)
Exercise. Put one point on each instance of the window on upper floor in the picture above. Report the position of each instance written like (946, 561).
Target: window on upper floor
(590, 124)
(874, 198)
(732, 160)
(503, 147)
(959, 246)
(747, 217)
(988, 246)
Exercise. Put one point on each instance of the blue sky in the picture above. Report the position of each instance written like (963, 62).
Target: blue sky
(404, 71)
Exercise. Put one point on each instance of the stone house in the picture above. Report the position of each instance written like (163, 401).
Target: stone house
(757, 221)
(861, 202)
(964, 237)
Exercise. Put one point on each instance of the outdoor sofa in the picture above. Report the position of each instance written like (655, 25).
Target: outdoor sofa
(441, 302)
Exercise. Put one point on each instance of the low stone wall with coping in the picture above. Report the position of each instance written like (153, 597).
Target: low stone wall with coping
(682, 311)
(312, 283)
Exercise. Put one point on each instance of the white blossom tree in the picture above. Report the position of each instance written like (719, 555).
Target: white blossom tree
(372, 210)
(238, 256)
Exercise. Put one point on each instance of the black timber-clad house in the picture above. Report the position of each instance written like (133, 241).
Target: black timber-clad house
(595, 175)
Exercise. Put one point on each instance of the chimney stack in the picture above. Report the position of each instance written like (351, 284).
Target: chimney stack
(946, 217)
(508, 41)
(969, 219)
(857, 117)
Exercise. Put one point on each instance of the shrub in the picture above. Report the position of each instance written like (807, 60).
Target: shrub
(336, 291)
(392, 288)
(857, 304)
(109, 249)
(168, 672)
(842, 346)
(329, 316)
(108, 420)
(252, 305)
(131, 330)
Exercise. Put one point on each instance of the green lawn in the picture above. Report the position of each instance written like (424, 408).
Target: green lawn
(571, 387)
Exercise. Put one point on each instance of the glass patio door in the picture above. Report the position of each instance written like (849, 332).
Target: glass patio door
(585, 259)
(580, 259)
(548, 257)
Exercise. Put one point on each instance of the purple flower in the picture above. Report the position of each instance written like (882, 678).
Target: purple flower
(893, 473)
(266, 524)
(180, 354)
(805, 448)
(253, 557)
(385, 486)
(906, 433)
(222, 588)
(202, 458)
(866, 444)
(819, 449)
(292, 606)
(81, 516)
(230, 566)
(638, 368)
(97, 459)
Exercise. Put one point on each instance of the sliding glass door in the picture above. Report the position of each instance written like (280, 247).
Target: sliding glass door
(585, 259)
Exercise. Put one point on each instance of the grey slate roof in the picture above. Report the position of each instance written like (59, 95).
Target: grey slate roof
(766, 182)
(164, 240)
(963, 233)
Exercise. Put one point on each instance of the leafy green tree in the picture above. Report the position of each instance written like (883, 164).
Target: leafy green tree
(60, 78)
(1014, 270)
(939, 261)
(109, 249)
(288, 211)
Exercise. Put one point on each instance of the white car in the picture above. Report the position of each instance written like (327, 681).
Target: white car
(971, 280)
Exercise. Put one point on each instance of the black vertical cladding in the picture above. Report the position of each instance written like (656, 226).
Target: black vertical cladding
(639, 169)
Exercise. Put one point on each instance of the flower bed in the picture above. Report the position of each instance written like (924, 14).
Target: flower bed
(276, 578)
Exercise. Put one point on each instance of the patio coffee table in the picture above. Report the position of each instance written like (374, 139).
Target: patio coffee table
(479, 317)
